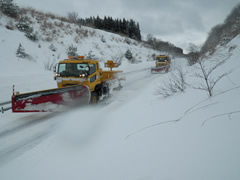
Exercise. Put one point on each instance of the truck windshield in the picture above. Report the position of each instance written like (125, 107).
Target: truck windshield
(73, 69)
(162, 59)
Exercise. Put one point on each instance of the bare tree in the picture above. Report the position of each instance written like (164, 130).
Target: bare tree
(73, 17)
(176, 83)
(193, 54)
(206, 73)
(49, 64)
(193, 47)
(118, 58)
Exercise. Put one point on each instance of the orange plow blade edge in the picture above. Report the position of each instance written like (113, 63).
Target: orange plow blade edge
(160, 69)
(58, 99)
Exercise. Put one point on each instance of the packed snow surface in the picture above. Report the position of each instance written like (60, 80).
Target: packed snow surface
(134, 134)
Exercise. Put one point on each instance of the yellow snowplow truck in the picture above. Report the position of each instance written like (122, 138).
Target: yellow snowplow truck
(162, 64)
(79, 81)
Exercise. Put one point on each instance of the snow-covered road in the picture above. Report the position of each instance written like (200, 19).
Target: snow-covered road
(23, 131)
(22, 135)
(131, 135)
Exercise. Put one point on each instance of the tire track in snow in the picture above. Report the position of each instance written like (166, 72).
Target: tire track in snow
(13, 150)
(15, 127)
(26, 134)
(135, 82)
(18, 137)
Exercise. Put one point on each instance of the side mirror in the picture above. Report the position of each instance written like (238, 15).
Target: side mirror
(55, 68)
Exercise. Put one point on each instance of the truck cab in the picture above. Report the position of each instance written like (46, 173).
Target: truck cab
(78, 71)
(86, 72)
(162, 60)
(162, 64)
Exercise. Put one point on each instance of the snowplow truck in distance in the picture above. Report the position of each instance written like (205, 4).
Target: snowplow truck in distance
(162, 64)
(80, 81)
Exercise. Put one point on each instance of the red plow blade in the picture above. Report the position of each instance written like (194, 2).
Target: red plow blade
(162, 69)
(58, 99)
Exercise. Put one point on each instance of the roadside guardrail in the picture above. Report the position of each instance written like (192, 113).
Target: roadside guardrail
(3, 106)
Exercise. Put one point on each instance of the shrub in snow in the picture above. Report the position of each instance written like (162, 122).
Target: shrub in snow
(72, 51)
(90, 55)
(24, 26)
(10, 25)
(73, 17)
(50, 64)
(52, 48)
(206, 74)
(8, 8)
(127, 40)
(21, 52)
(103, 39)
(117, 58)
(32, 36)
(175, 83)
(129, 56)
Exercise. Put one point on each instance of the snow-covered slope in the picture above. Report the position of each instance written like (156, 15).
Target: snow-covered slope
(88, 41)
(133, 135)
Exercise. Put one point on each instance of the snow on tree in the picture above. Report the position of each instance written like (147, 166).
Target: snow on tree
(32, 36)
(128, 55)
(52, 48)
(90, 55)
(72, 51)
(24, 26)
(129, 28)
(8, 8)
(21, 52)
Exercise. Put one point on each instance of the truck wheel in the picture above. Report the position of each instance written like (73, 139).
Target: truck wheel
(94, 98)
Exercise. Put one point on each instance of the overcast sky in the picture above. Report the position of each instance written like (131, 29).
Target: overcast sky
(178, 21)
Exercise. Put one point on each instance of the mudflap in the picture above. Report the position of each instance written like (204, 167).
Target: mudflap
(51, 100)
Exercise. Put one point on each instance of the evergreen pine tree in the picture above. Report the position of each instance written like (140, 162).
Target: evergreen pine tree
(90, 55)
(105, 22)
(129, 28)
(124, 26)
(8, 8)
(97, 22)
(52, 48)
(32, 36)
(72, 51)
(132, 29)
(138, 33)
(128, 55)
(117, 26)
(21, 51)
(23, 25)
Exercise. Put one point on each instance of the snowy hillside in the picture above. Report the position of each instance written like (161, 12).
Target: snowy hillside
(60, 35)
(135, 134)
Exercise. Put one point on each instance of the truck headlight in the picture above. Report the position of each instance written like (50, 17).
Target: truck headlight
(58, 79)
